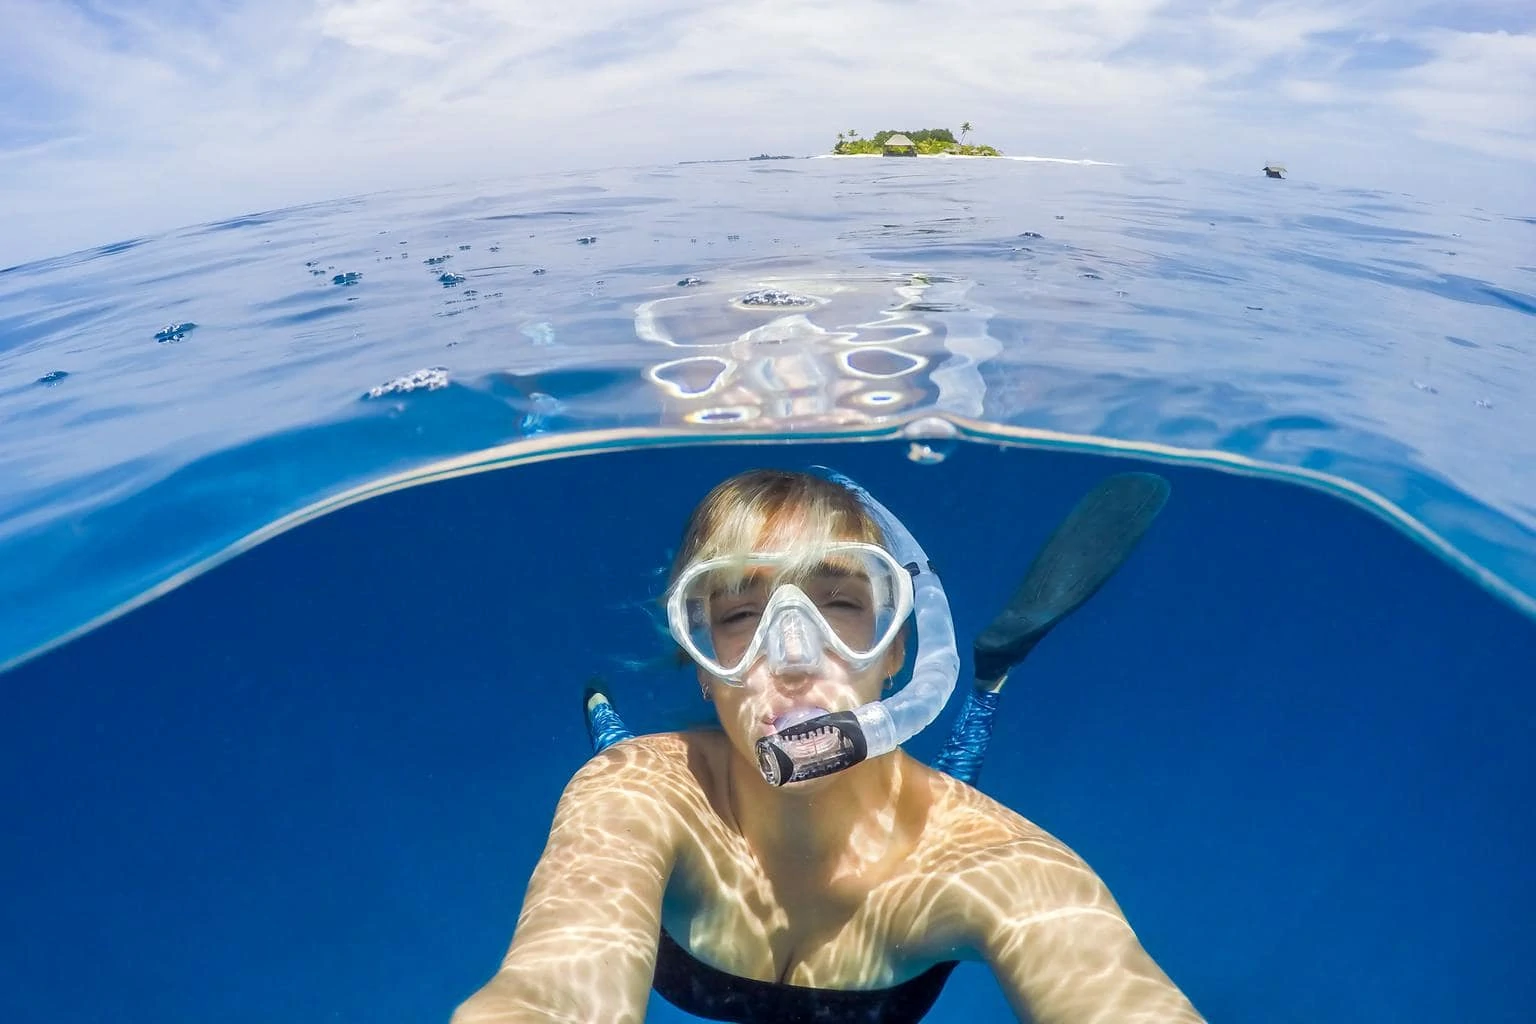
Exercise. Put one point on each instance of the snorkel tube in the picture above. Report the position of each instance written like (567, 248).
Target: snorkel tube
(831, 743)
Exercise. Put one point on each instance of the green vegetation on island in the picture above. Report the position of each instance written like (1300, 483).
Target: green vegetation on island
(926, 142)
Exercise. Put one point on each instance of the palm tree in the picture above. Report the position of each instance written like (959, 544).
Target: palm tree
(839, 148)
(853, 133)
(965, 129)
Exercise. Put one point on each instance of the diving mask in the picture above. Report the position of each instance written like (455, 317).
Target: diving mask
(847, 598)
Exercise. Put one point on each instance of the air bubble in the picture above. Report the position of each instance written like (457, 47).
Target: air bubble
(542, 333)
(930, 428)
(545, 406)
(925, 454)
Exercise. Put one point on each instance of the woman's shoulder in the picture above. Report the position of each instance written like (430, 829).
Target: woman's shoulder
(650, 746)
(967, 826)
(980, 864)
(656, 765)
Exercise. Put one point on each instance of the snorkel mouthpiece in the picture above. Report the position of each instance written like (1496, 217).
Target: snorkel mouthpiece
(808, 750)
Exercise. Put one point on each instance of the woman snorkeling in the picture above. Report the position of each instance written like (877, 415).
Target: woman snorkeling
(796, 864)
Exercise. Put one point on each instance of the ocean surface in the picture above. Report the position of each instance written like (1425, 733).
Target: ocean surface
(314, 522)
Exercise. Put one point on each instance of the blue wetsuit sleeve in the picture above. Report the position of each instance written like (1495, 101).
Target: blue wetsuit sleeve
(604, 726)
(966, 748)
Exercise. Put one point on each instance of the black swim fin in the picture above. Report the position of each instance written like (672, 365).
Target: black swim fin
(1086, 549)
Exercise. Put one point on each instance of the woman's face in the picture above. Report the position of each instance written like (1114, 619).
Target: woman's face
(753, 709)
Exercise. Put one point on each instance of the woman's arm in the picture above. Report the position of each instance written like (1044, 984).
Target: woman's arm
(585, 945)
(1060, 947)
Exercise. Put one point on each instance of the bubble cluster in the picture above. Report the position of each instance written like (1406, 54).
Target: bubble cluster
(174, 332)
(430, 379)
(774, 297)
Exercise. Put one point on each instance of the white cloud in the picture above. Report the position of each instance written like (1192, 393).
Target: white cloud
(1311, 91)
(1478, 92)
(138, 118)
(1275, 29)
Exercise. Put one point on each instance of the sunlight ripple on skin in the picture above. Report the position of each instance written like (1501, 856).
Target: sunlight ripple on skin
(967, 880)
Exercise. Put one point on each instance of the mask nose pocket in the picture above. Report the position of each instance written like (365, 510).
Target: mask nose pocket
(794, 642)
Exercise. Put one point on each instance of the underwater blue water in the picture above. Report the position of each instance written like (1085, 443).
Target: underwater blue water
(310, 784)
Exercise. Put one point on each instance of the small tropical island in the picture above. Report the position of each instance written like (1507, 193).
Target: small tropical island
(926, 142)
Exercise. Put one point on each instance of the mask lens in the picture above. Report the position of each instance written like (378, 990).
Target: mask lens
(725, 607)
(845, 592)
(855, 589)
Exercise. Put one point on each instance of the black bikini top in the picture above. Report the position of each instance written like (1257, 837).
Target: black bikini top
(704, 991)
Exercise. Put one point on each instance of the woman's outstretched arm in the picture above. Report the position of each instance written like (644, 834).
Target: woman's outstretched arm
(1059, 945)
(585, 945)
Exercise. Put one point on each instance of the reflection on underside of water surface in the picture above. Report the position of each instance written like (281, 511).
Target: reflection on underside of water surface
(797, 353)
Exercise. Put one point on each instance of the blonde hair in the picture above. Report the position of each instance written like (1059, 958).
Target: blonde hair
(776, 509)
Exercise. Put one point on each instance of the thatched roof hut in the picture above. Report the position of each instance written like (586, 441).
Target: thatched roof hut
(1274, 171)
(900, 145)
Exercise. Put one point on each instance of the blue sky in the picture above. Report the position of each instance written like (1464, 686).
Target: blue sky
(127, 118)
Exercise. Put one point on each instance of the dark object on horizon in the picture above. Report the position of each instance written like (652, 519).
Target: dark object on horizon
(899, 145)
(765, 156)
(1274, 171)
